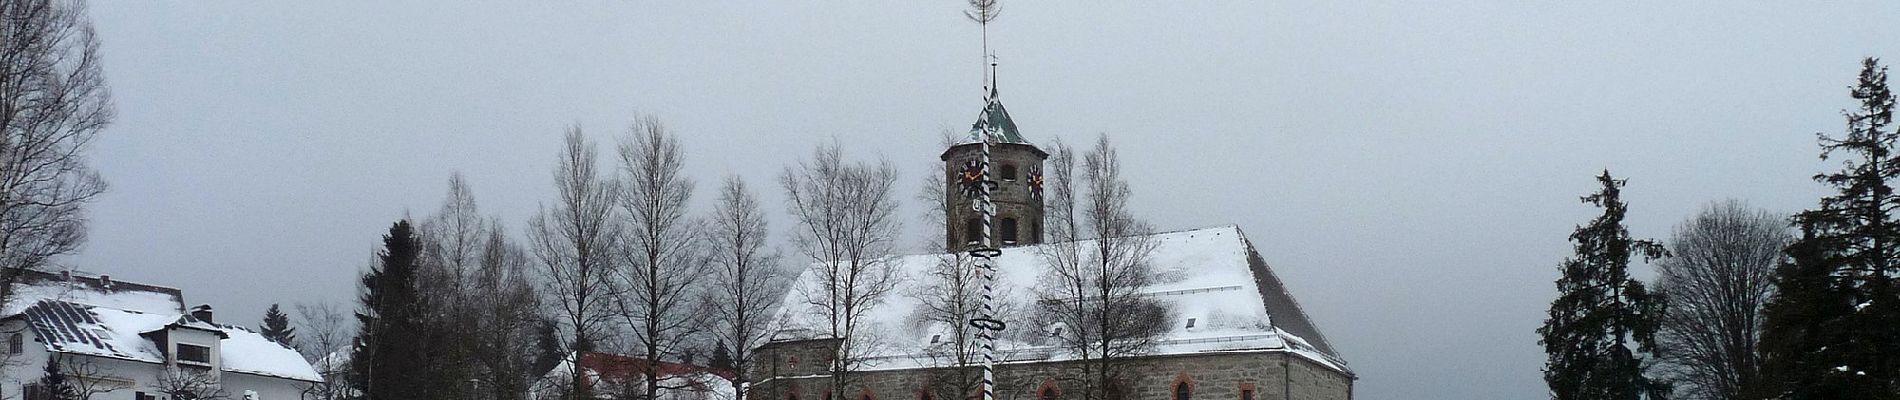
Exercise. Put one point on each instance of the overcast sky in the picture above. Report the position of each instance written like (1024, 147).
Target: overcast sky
(1411, 170)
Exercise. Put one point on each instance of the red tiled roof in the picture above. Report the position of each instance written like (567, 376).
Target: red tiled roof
(614, 366)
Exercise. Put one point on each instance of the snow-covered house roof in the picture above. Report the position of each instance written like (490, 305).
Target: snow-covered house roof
(71, 316)
(1212, 277)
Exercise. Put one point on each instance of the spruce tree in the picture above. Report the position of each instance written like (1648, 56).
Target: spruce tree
(721, 357)
(1600, 310)
(53, 384)
(1803, 338)
(277, 328)
(1837, 326)
(388, 363)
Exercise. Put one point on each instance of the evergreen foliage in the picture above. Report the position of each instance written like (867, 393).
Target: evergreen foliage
(721, 357)
(389, 361)
(277, 328)
(53, 385)
(1835, 326)
(1600, 310)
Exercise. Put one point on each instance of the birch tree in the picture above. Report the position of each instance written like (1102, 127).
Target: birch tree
(573, 241)
(743, 301)
(845, 226)
(1098, 259)
(53, 102)
(662, 248)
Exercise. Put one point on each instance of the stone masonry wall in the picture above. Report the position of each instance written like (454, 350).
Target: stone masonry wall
(1012, 196)
(1213, 376)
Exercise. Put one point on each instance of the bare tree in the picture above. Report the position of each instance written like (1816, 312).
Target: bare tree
(663, 247)
(325, 342)
(53, 101)
(574, 243)
(846, 224)
(87, 377)
(744, 299)
(1098, 264)
(1719, 280)
(189, 384)
(506, 312)
(453, 241)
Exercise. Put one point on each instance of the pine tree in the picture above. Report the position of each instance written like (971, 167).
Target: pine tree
(1600, 310)
(1837, 325)
(53, 385)
(277, 328)
(387, 365)
(721, 357)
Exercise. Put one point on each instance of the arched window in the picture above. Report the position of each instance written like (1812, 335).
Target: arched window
(972, 231)
(1048, 393)
(791, 396)
(1181, 391)
(1009, 172)
(1009, 230)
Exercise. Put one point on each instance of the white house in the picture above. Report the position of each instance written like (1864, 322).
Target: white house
(122, 340)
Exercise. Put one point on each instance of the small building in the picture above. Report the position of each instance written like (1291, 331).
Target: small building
(614, 376)
(123, 340)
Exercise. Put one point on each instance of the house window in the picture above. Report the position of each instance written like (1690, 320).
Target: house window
(1181, 391)
(144, 396)
(33, 391)
(16, 343)
(194, 353)
(1009, 172)
(1009, 231)
(1246, 394)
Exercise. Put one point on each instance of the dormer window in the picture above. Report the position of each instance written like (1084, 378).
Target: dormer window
(192, 353)
(1190, 324)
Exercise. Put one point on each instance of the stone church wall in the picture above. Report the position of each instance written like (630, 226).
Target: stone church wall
(1214, 376)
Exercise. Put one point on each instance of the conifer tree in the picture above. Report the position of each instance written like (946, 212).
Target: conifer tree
(387, 365)
(277, 328)
(53, 385)
(1802, 338)
(1600, 310)
(721, 357)
(1836, 327)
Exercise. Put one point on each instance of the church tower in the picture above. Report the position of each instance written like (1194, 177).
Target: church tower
(1017, 166)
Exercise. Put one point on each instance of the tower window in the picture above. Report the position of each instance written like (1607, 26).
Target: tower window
(1009, 172)
(1009, 231)
(972, 231)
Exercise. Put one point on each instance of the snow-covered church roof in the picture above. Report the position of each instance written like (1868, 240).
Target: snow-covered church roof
(98, 317)
(1212, 277)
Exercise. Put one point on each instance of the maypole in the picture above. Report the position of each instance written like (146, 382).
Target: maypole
(983, 256)
(983, 253)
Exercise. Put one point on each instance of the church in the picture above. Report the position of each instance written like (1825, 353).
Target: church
(1234, 330)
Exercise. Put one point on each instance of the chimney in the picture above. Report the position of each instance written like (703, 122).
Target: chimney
(202, 313)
